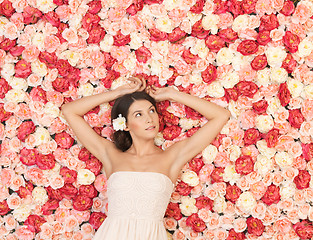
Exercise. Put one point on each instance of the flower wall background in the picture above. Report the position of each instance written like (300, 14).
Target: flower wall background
(253, 57)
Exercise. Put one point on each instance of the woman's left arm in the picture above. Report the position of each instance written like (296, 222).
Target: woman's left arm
(182, 151)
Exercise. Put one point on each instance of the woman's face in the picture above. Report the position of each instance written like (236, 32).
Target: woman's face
(142, 119)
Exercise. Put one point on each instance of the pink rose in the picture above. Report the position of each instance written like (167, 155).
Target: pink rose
(304, 229)
(94, 165)
(110, 77)
(61, 28)
(16, 51)
(303, 179)
(177, 36)
(251, 136)
(50, 59)
(4, 88)
(88, 190)
(68, 191)
(244, 165)
(235, 8)
(31, 15)
(204, 202)
(34, 222)
(7, 44)
(173, 211)
(22, 69)
(169, 118)
(96, 219)
(157, 35)
(260, 106)
(195, 164)
(220, 6)
(90, 20)
(64, 67)
(284, 94)
(84, 154)
(54, 193)
(248, 6)
(217, 175)
(196, 223)
(295, 118)
(82, 203)
(288, 8)
(60, 84)
(120, 39)
(23, 192)
(28, 156)
(143, 54)
(231, 94)
(45, 162)
(255, 226)
(233, 235)
(68, 175)
(232, 193)
(248, 47)
(198, 31)
(38, 94)
(189, 57)
(272, 195)
(136, 6)
(198, 7)
(289, 63)
(271, 138)
(64, 140)
(307, 150)
(4, 208)
(25, 129)
(246, 88)
(228, 35)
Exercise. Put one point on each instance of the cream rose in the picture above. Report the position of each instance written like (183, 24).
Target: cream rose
(219, 204)
(246, 202)
(210, 21)
(263, 77)
(40, 195)
(41, 135)
(187, 123)
(295, 87)
(200, 48)
(308, 91)
(7, 71)
(188, 206)
(39, 68)
(159, 140)
(85, 89)
(15, 95)
(264, 123)
(45, 5)
(234, 152)
(264, 150)
(224, 56)
(240, 22)
(164, 24)
(51, 110)
(22, 212)
(273, 105)
(107, 43)
(215, 89)
(230, 80)
(191, 178)
(18, 83)
(305, 47)
(38, 39)
(278, 75)
(283, 159)
(85, 177)
(287, 190)
(263, 165)
(275, 56)
(209, 154)
(230, 175)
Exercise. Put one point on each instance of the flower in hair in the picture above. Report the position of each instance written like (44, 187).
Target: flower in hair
(119, 123)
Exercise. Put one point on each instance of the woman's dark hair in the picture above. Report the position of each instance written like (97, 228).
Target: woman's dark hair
(122, 139)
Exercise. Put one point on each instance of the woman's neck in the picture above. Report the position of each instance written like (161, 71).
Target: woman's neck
(143, 148)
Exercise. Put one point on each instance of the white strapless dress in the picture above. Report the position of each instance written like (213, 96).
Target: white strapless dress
(137, 202)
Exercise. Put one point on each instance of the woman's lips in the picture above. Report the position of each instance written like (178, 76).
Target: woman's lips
(150, 128)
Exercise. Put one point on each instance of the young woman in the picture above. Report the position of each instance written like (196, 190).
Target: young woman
(140, 175)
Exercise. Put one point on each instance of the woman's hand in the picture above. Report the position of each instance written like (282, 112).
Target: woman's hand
(134, 84)
(160, 94)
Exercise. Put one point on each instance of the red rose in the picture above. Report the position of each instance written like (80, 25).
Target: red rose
(235, 8)
(34, 222)
(60, 84)
(251, 136)
(45, 162)
(303, 179)
(4, 208)
(171, 132)
(289, 63)
(198, 31)
(6, 8)
(209, 74)
(268, 22)
(189, 57)
(291, 41)
(271, 138)
(153, 1)
(248, 6)
(284, 94)
(73, 77)
(96, 219)
(50, 59)
(143, 54)
(68, 175)
(38, 94)
(157, 35)
(196, 223)
(260, 106)
(53, 18)
(108, 60)
(288, 8)
(169, 118)
(231, 94)
(217, 175)
(263, 37)
(192, 131)
(88, 190)
(94, 165)
(170, 81)
(183, 188)
(64, 140)
(218, 140)
(4, 115)
(177, 36)
(248, 47)
(195, 164)
(60, 2)
(25, 129)
(54, 193)
(49, 206)
(136, 6)
(173, 211)
(204, 202)
(304, 229)
(31, 15)
(96, 34)
(246, 88)
(94, 6)
(7, 44)
(61, 28)
(16, 51)
(84, 154)
(244, 165)
(228, 35)
(255, 226)
(22, 69)
(64, 67)
(120, 39)
(271, 195)
(82, 203)
(295, 118)
(23, 192)
(28, 156)
(198, 7)
(232, 235)
(220, 6)
(68, 191)
(259, 62)
(214, 43)
(109, 78)
(307, 150)
(4, 87)
(90, 20)
(232, 193)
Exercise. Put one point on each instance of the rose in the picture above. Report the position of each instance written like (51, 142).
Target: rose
(84, 154)
(284, 94)
(204, 202)
(157, 35)
(94, 7)
(64, 140)
(7, 9)
(173, 211)
(143, 54)
(248, 6)
(248, 47)
(17, 51)
(307, 150)
(25, 129)
(53, 18)
(50, 59)
(260, 106)
(198, 31)
(60, 84)
(96, 219)
(232, 193)
(291, 41)
(28, 156)
(64, 67)
(38, 94)
(45, 162)
(214, 43)
(7, 44)
(4, 115)
(246, 88)
(85, 176)
(68, 191)
(228, 35)
(195, 164)
(288, 8)
(231, 94)
(4, 87)
(259, 62)
(196, 223)
(209, 74)
(88, 190)
(4, 208)
(272, 195)
(82, 203)
(73, 77)
(304, 229)
(108, 60)
(289, 63)
(22, 69)
(220, 6)
(268, 22)
(271, 137)
(197, 8)
(169, 118)
(251, 136)
(302, 180)
(54, 193)
(244, 165)
(177, 36)
(23, 192)
(49, 206)
(110, 77)
(217, 175)
(96, 34)
(171, 132)
(136, 6)
(183, 188)
(295, 118)
(31, 15)
(263, 37)
(234, 7)
(192, 131)
(255, 226)
(120, 39)
(232, 235)
(61, 28)
(90, 20)
(34, 222)
(68, 175)
(94, 165)
(189, 57)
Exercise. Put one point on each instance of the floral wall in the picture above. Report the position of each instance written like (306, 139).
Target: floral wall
(253, 57)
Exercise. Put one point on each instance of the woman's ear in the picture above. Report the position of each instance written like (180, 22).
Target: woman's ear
(127, 128)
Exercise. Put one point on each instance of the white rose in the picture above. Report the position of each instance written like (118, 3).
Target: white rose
(130, 62)
(18, 83)
(287, 190)
(305, 48)
(38, 39)
(275, 56)
(72, 57)
(191, 178)
(278, 75)
(193, 17)
(188, 123)
(85, 177)
(215, 89)
(234, 152)
(264, 123)
(41, 135)
(135, 41)
(159, 140)
(15, 95)
(219, 204)
(209, 154)
(156, 67)
(51, 110)
(308, 91)
(263, 77)
(295, 87)
(240, 22)
(246, 202)
(118, 82)
(22, 212)
(85, 90)
(195, 78)
(210, 21)
(170, 5)
(107, 43)
(240, 60)
(40, 195)
(188, 206)
(7, 70)
(264, 150)
(283, 159)
(75, 21)
(3, 23)
(263, 164)
(230, 80)
(273, 105)
(234, 109)
(200, 48)
(224, 56)
(230, 175)
(45, 5)
(164, 24)
(39, 68)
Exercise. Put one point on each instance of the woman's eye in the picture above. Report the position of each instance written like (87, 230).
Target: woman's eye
(138, 114)
(152, 110)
